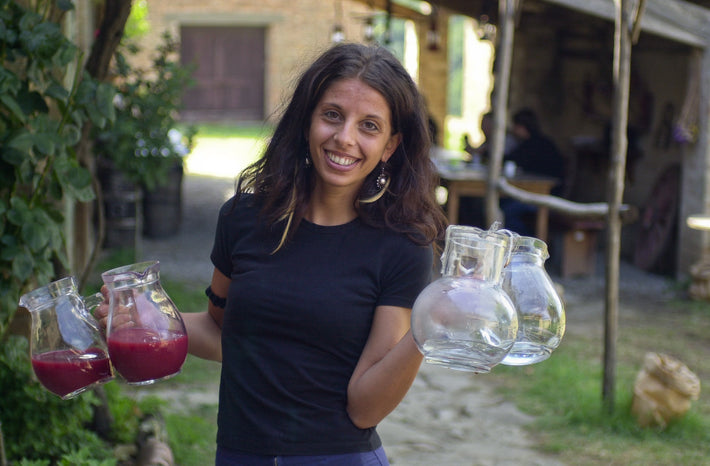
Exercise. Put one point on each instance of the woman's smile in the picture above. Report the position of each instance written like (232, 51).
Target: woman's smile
(344, 161)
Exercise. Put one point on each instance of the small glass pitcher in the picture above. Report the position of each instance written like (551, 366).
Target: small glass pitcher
(68, 352)
(464, 320)
(146, 335)
(541, 314)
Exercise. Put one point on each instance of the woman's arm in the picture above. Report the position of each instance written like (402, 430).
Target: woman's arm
(204, 329)
(386, 369)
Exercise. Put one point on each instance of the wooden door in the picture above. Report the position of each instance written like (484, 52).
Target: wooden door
(229, 72)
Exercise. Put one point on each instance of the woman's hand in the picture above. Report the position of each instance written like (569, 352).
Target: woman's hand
(121, 314)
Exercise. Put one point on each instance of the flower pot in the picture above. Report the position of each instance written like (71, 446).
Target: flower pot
(162, 206)
(122, 206)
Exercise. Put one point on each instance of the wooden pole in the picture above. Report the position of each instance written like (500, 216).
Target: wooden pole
(619, 143)
(501, 84)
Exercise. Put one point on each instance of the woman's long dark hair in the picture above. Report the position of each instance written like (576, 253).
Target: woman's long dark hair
(282, 182)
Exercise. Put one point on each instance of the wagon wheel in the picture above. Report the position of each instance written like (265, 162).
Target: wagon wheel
(658, 221)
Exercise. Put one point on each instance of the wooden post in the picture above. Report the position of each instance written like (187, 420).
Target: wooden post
(504, 59)
(617, 169)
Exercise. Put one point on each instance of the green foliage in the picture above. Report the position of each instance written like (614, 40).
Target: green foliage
(137, 25)
(454, 97)
(41, 118)
(58, 427)
(143, 142)
(192, 438)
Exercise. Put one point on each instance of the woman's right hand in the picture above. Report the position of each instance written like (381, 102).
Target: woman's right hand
(101, 311)
(121, 314)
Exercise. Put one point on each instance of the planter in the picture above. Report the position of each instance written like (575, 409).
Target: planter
(162, 206)
(122, 206)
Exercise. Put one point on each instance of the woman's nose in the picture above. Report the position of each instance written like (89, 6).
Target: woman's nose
(345, 135)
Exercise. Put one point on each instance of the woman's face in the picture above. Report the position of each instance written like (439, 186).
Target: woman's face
(350, 133)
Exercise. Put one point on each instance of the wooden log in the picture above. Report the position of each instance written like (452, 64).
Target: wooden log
(586, 211)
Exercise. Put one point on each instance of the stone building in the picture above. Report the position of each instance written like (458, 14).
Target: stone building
(251, 51)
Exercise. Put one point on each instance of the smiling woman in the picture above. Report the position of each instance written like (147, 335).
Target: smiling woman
(341, 199)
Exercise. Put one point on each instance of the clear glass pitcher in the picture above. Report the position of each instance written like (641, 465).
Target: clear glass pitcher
(146, 335)
(464, 320)
(68, 352)
(541, 314)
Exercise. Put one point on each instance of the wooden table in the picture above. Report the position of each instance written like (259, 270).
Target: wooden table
(472, 182)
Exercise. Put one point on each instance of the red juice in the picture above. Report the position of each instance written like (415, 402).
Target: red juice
(66, 372)
(144, 355)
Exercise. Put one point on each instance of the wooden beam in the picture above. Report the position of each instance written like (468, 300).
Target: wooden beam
(586, 211)
(501, 79)
(636, 27)
(617, 171)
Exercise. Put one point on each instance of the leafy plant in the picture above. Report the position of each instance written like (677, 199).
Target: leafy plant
(143, 142)
(41, 118)
(44, 106)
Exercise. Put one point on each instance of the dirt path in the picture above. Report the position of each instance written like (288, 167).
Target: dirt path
(456, 418)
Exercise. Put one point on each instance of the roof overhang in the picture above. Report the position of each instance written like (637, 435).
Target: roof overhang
(677, 20)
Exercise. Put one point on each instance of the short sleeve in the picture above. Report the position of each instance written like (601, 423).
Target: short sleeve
(221, 250)
(407, 271)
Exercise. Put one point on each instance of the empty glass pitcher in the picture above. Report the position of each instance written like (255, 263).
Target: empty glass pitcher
(464, 320)
(68, 352)
(541, 314)
(146, 335)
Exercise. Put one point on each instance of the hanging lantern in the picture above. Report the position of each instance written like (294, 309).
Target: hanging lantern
(337, 35)
(388, 23)
(369, 30)
(433, 38)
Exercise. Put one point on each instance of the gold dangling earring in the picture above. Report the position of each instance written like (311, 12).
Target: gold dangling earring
(309, 162)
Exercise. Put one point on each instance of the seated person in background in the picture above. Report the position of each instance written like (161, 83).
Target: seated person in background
(482, 151)
(535, 153)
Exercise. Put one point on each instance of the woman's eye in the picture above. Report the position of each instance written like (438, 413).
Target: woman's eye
(370, 126)
(331, 114)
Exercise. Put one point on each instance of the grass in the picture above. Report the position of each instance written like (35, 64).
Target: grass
(564, 394)
(225, 131)
(224, 151)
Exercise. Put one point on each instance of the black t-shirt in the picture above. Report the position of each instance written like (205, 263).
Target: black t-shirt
(295, 324)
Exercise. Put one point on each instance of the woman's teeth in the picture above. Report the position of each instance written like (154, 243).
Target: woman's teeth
(345, 161)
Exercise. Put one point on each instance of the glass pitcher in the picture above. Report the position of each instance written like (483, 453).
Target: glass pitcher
(464, 320)
(541, 314)
(146, 335)
(67, 349)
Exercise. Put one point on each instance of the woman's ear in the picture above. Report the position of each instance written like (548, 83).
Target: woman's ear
(391, 146)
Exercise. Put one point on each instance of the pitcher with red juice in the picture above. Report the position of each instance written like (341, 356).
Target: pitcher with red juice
(68, 353)
(146, 336)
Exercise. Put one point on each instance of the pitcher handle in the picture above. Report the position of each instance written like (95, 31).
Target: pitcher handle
(92, 301)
